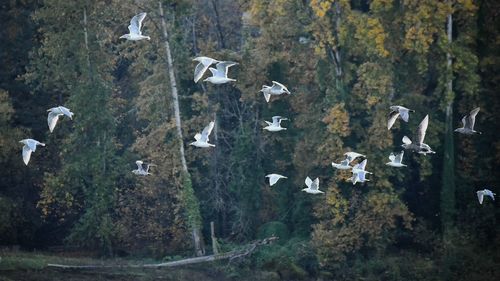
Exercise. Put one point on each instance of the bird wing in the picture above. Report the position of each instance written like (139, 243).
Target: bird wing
(214, 72)
(207, 130)
(352, 155)
(276, 120)
(399, 157)
(406, 140)
(273, 179)
(139, 165)
(66, 112)
(269, 123)
(464, 121)
(315, 184)
(279, 87)
(136, 23)
(471, 119)
(392, 157)
(308, 182)
(223, 66)
(52, 120)
(197, 136)
(26, 154)
(362, 165)
(199, 70)
(422, 128)
(404, 113)
(392, 118)
(480, 195)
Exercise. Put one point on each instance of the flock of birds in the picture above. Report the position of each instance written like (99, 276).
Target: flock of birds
(219, 76)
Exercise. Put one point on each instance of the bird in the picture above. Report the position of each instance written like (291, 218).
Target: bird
(359, 173)
(344, 164)
(396, 160)
(140, 169)
(219, 75)
(358, 177)
(273, 178)
(54, 114)
(312, 186)
(397, 110)
(134, 29)
(275, 126)
(468, 123)
(203, 64)
(276, 89)
(419, 146)
(202, 139)
(485, 192)
(28, 148)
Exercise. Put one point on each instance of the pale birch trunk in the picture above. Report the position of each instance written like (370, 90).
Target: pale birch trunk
(194, 225)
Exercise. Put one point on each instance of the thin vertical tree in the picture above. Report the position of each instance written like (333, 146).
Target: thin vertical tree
(192, 204)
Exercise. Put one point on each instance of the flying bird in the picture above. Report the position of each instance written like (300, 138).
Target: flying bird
(273, 178)
(275, 126)
(344, 164)
(140, 171)
(397, 110)
(419, 146)
(54, 114)
(276, 89)
(203, 64)
(485, 192)
(219, 75)
(134, 29)
(28, 148)
(468, 123)
(359, 173)
(396, 160)
(312, 186)
(202, 139)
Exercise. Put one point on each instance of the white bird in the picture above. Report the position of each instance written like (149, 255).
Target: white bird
(134, 29)
(396, 160)
(273, 178)
(344, 164)
(419, 146)
(397, 110)
(276, 89)
(468, 123)
(203, 64)
(359, 177)
(312, 186)
(219, 75)
(202, 139)
(275, 126)
(359, 173)
(485, 192)
(28, 148)
(54, 114)
(140, 169)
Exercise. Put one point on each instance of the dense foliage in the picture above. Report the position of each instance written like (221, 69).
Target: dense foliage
(345, 63)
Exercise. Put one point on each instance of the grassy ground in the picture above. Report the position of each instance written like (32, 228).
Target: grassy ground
(20, 266)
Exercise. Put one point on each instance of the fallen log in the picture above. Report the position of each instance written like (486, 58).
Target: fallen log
(232, 255)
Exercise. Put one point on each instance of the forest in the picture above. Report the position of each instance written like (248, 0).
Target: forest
(344, 63)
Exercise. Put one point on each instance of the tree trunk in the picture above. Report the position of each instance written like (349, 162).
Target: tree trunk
(448, 208)
(194, 217)
(448, 189)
